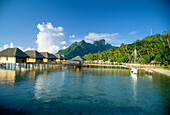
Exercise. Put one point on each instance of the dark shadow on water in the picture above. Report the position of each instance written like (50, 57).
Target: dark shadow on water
(6, 111)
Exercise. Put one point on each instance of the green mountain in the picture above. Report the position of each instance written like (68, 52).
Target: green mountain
(82, 48)
(153, 47)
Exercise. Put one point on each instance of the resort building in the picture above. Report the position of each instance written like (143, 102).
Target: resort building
(13, 55)
(48, 57)
(59, 58)
(156, 63)
(78, 59)
(64, 58)
(34, 56)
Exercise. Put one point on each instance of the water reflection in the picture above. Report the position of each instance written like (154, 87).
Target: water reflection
(49, 88)
(134, 83)
(162, 83)
(14, 74)
(64, 88)
(7, 76)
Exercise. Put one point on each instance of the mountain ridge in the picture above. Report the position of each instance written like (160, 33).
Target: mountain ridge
(81, 48)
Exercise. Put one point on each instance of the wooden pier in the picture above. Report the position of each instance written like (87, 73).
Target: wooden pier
(123, 65)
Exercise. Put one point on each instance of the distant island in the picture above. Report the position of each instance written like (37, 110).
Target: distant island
(81, 48)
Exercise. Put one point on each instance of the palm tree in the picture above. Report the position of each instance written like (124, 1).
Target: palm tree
(167, 35)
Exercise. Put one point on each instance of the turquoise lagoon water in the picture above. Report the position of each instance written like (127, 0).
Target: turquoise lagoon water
(70, 90)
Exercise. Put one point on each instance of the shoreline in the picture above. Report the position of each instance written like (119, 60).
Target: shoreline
(162, 71)
(124, 65)
(158, 69)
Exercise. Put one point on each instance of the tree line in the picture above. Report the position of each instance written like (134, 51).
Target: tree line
(153, 47)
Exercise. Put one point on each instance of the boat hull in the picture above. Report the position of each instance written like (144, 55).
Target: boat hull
(134, 70)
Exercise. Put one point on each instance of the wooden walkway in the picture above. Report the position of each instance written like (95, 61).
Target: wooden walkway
(126, 65)
(104, 65)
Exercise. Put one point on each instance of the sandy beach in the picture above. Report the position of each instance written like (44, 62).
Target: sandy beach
(162, 71)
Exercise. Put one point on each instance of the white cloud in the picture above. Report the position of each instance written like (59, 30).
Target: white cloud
(49, 25)
(75, 40)
(64, 47)
(40, 27)
(61, 34)
(60, 28)
(49, 37)
(57, 34)
(52, 49)
(6, 46)
(11, 45)
(133, 32)
(21, 48)
(94, 36)
(63, 42)
(72, 36)
(29, 49)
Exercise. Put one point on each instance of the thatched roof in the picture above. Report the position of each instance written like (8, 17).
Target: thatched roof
(52, 55)
(154, 61)
(34, 54)
(78, 58)
(58, 56)
(48, 55)
(63, 56)
(13, 52)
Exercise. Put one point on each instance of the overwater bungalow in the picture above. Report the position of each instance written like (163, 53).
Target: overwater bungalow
(64, 58)
(34, 56)
(48, 57)
(59, 57)
(78, 59)
(13, 55)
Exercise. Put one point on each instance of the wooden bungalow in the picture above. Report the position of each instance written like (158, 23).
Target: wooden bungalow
(78, 59)
(59, 58)
(34, 56)
(63, 57)
(13, 55)
(154, 62)
(48, 57)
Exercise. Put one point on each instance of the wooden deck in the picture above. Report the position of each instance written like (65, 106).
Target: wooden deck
(124, 65)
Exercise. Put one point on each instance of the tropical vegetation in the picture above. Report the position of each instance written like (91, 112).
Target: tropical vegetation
(153, 47)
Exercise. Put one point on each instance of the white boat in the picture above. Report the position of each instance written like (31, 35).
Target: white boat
(134, 77)
(134, 70)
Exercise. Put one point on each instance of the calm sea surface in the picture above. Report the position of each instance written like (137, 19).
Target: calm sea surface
(69, 90)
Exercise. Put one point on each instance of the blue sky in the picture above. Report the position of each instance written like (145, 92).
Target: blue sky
(116, 21)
